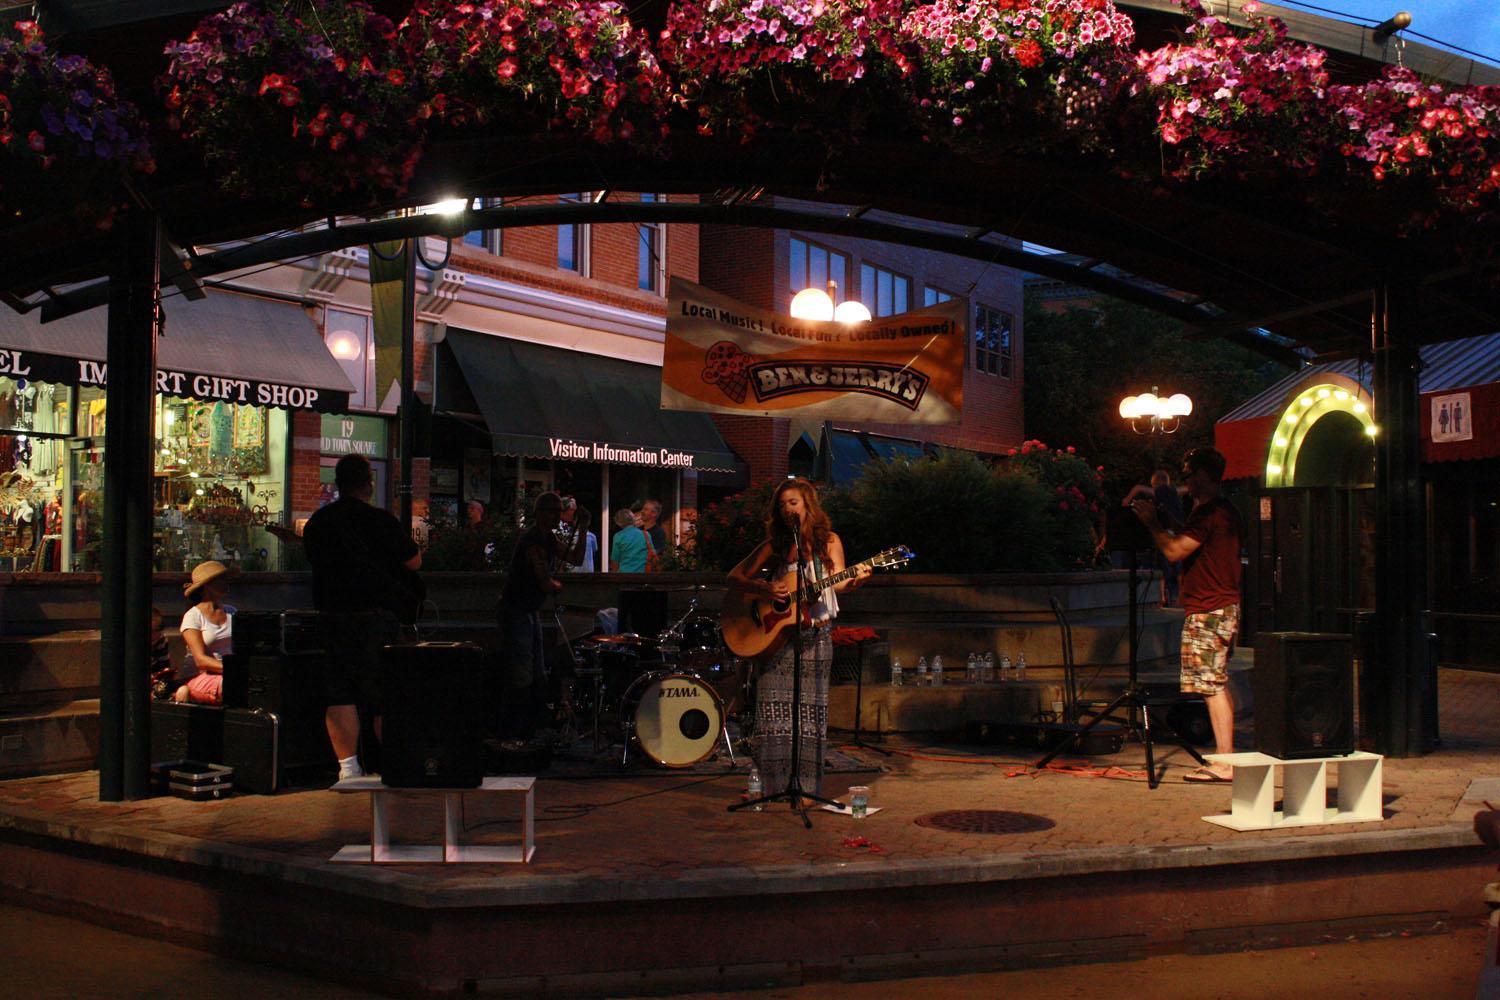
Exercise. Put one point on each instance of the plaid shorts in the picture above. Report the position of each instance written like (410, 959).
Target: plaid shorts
(1206, 639)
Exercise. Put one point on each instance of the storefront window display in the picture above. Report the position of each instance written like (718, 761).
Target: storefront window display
(220, 479)
(35, 421)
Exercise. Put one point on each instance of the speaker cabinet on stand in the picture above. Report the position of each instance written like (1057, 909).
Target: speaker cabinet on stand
(1304, 694)
(432, 736)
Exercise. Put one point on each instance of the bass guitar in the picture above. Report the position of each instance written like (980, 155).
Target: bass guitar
(755, 627)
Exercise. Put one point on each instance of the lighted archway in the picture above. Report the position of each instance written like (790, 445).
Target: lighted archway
(1327, 395)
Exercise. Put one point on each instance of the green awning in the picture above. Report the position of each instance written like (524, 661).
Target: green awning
(546, 402)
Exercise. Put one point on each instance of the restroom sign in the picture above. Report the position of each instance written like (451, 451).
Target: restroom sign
(1452, 418)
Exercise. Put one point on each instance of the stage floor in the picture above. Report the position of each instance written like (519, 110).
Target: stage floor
(665, 840)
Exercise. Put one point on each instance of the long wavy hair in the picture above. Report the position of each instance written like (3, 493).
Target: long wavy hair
(818, 527)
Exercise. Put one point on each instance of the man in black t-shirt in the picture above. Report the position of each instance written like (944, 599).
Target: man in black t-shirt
(365, 584)
(534, 567)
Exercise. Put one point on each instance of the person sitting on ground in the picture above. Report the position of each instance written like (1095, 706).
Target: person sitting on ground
(208, 632)
(630, 550)
(163, 674)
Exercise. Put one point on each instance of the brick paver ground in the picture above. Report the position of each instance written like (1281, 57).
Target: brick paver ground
(660, 827)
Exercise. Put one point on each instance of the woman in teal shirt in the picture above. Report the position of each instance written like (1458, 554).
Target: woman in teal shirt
(630, 550)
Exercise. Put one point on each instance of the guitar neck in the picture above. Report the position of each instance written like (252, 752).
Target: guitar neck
(847, 573)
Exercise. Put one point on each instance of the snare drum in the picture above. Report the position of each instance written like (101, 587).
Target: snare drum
(675, 718)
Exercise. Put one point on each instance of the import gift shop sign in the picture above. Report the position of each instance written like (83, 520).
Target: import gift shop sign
(724, 356)
(245, 391)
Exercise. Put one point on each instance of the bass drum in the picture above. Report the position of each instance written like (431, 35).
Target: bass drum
(675, 718)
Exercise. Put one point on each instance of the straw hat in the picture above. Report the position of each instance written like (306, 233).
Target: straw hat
(206, 572)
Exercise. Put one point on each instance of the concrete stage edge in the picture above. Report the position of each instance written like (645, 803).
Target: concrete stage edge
(393, 929)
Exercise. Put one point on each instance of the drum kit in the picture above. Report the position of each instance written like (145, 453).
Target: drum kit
(663, 695)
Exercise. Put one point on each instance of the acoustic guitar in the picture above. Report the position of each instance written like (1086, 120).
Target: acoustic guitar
(755, 627)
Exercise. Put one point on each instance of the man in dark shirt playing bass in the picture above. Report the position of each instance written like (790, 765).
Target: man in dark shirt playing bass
(1209, 543)
(538, 559)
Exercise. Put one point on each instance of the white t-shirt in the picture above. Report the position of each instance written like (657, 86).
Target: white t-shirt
(217, 639)
(590, 553)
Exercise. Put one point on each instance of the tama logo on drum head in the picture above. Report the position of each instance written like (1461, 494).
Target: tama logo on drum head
(679, 692)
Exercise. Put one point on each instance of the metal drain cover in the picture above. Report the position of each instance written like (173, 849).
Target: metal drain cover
(985, 821)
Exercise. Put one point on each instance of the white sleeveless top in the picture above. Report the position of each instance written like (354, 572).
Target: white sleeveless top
(826, 607)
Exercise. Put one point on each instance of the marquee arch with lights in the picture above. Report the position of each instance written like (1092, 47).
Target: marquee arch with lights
(1325, 394)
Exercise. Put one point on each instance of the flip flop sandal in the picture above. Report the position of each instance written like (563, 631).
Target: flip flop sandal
(1205, 775)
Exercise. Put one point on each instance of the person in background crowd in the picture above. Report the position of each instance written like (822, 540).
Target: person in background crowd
(630, 550)
(1168, 503)
(208, 632)
(566, 531)
(534, 565)
(1209, 545)
(474, 514)
(651, 524)
(365, 583)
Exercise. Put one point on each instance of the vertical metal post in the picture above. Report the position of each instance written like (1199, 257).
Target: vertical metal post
(1401, 519)
(408, 379)
(129, 443)
(606, 519)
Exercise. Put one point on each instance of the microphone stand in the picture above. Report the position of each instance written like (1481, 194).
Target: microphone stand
(794, 793)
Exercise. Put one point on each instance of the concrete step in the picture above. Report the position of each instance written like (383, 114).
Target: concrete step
(60, 737)
(47, 669)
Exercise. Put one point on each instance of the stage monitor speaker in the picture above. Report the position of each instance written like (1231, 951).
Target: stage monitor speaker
(432, 727)
(1304, 694)
(643, 611)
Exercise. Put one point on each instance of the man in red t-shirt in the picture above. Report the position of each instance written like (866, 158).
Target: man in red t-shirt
(1209, 545)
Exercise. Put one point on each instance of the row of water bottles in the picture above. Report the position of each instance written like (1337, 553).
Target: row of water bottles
(979, 669)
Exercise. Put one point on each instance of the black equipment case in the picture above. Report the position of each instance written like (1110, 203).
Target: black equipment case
(251, 741)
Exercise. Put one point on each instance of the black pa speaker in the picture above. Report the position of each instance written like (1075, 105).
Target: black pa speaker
(432, 725)
(643, 611)
(1124, 532)
(1304, 694)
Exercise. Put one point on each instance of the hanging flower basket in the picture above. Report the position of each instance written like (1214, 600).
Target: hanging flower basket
(304, 109)
(537, 66)
(1024, 68)
(1398, 128)
(65, 138)
(1238, 105)
(806, 65)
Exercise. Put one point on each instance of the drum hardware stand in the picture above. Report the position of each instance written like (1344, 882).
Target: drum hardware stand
(1134, 700)
(794, 793)
(859, 687)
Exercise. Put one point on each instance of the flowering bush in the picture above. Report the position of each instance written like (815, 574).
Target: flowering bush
(1237, 104)
(1076, 491)
(61, 125)
(742, 62)
(546, 63)
(330, 92)
(727, 530)
(1402, 127)
(971, 56)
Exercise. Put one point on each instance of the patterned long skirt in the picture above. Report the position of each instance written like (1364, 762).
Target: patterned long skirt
(773, 714)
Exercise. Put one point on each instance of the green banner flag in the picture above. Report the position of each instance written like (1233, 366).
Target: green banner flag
(387, 278)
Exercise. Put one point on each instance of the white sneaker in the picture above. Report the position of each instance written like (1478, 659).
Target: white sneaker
(351, 772)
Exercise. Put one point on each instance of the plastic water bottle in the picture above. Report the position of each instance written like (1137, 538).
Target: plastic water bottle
(987, 671)
(753, 788)
(1005, 666)
(896, 672)
(971, 669)
(921, 671)
(937, 670)
(1020, 666)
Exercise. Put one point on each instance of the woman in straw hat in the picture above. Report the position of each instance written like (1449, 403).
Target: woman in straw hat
(207, 631)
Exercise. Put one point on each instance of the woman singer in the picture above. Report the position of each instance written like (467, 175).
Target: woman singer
(795, 502)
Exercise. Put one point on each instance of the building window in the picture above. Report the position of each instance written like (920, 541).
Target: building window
(992, 348)
(573, 238)
(351, 340)
(883, 292)
(651, 251)
(814, 266)
(932, 296)
(485, 239)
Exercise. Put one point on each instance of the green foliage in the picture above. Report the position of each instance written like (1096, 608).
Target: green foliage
(729, 529)
(1075, 497)
(455, 545)
(957, 514)
(1081, 363)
